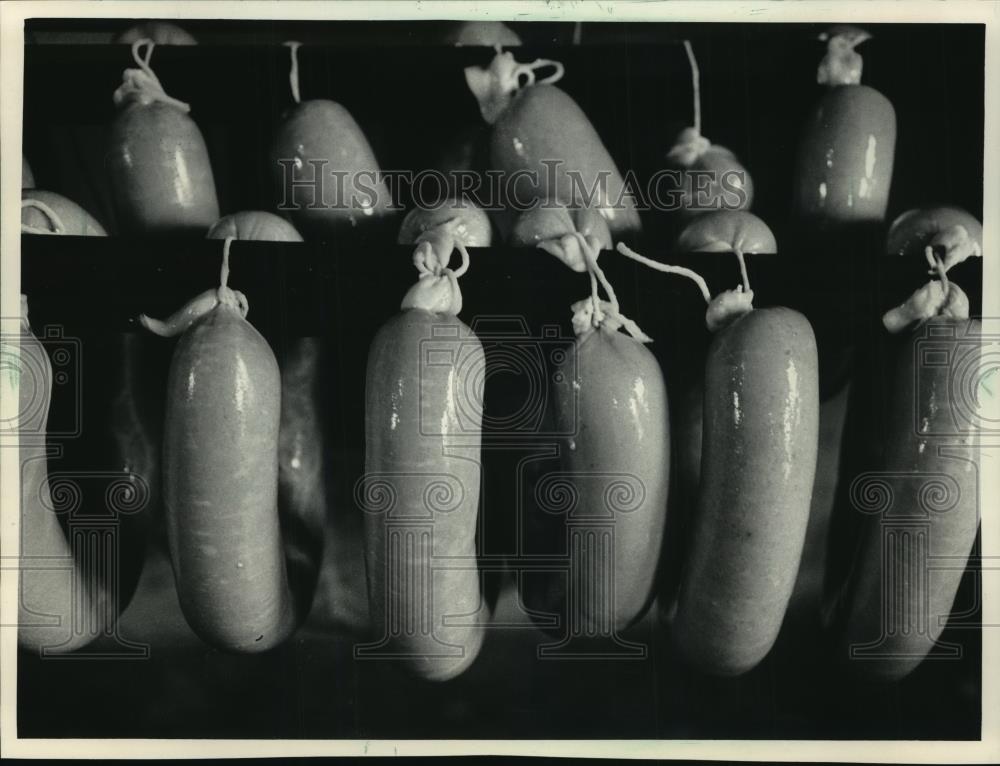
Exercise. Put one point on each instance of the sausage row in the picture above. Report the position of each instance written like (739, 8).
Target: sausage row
(239, 516)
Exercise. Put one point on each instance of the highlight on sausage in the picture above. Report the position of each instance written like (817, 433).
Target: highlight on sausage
(238, 589)
(916, 497)
(729, 185)
(607, 503)
(160, 172)
(326, 174)
(721, 231)
(540, 134)
(126, 453)
(846, 152)
(760, 441)
(420, 489)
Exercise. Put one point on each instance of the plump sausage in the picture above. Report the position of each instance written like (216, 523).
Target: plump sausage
(605, 506)
(758, 460)
(917, 494)
(846, 152)
(62, 607)
(759, 447)
(537, 125)
(423, 426)
(161, 175)
(220, 478)
(325, 171)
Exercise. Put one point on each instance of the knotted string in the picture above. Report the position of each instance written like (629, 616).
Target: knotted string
(725, 306)
(495, 86)
(201, 304)
(437, 287)
(592, 312)
(142, 84)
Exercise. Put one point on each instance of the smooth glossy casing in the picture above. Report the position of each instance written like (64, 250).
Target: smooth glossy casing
(761, 420)
(220, 477)
(321, 137)
(423, 424)
(920, 502)
(64, 591)
(161, 175)
(611, 398)
(845, 157)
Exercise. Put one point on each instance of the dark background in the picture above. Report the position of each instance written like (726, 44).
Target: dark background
(409, 95)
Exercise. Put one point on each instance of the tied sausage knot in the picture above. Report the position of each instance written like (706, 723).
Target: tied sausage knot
(842, 64)
(141, 85)
(590, 314)
(569, 250)
(437, 287)
(936, 298)
(495, 86)
(690, 145)
(727, 306)
(957, 245)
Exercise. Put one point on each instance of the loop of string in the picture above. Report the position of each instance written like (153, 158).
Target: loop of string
(528, 72)
(57, 225)
(495, 86)
(667, 268)
(437, 287)
(142, 83)
(957, 244)
(937, 267)
(595, 312)
(724, 307)
(201, 304)
(695, 85)
(425, 252)
(293, 73)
